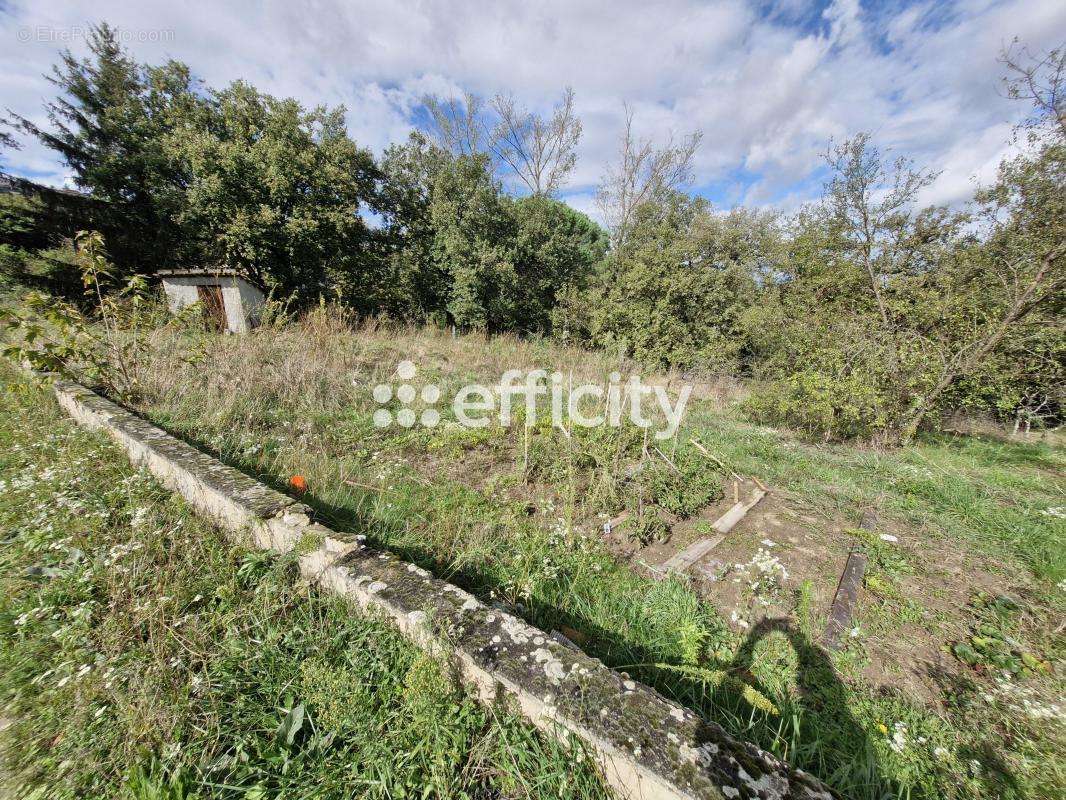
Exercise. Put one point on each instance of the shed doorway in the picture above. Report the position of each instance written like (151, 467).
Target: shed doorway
(214, 307)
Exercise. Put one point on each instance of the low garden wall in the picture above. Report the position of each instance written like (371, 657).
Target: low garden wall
(647, 746)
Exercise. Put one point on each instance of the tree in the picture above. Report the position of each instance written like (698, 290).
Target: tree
(1021, 270)
(7, 141)
(1039, 80)
(556, 251)
(462, 251)
(643, 174)
(109, 124)
(673, 296)
(411, 283)
(891, 311)
(277, 191)
(541, 152)
(458, 124)
(474, 245)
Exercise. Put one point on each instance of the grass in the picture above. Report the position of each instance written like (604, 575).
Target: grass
(981, 492)
(515, 516)
(142, 656)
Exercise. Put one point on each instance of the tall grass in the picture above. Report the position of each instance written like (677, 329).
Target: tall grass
(142, 656)
(296, 400)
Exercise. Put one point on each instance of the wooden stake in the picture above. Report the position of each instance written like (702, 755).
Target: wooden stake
(696, 443)
(611, 524)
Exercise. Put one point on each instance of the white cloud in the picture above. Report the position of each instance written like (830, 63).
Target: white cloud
(768, 85)
(585, 202)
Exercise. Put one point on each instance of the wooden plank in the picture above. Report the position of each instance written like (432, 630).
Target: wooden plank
(691, 554)
(726, 522)
(844, 600)
(842, 609)
(680, 562)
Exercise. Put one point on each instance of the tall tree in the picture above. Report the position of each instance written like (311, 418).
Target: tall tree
(277, 191)
(411, 283)
(541, 152)
(556, 251)
(7, 141)
(474, 244)
(1018, 275)
(888, 311)
(675, 293)
(459, 126)
(643, 174)
(1020, 272)
(109, 124)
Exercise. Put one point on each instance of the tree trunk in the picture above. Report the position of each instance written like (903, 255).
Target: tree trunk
(964, 364)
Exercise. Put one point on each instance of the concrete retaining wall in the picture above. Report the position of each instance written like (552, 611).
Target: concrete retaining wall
(648, 746)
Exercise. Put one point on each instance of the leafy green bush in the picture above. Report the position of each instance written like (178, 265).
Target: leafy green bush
(52, 335)
(684, 486)
(820, 406)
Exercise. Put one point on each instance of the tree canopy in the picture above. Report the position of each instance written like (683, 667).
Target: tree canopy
(863, 314)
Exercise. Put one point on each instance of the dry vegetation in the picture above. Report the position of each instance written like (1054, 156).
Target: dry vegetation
(517, 517)
(143, 656)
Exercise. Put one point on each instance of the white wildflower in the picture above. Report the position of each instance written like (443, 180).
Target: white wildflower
(899, 737)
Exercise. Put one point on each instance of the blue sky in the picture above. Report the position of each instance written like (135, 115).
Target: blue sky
(768, 83)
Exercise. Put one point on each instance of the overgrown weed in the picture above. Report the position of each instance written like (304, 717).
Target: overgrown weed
(143, 656)
(513, 515)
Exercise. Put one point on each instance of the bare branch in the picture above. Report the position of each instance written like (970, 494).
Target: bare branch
(457, 124)
(1040, 79)
(642, 174)
(540, 152)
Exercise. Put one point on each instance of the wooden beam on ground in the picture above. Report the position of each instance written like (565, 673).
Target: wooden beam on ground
(843, 607)
(691, 554)
(728, 520)
(680, 562)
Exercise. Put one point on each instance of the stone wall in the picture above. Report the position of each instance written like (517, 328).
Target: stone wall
(647, 746)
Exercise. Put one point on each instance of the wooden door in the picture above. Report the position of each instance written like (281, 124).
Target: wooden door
(214, 308)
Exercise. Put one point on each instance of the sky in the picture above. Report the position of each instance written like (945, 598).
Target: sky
(768, 83)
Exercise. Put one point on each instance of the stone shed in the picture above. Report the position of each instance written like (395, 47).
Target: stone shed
(231, 302)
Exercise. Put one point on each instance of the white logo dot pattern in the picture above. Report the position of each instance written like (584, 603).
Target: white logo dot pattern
(406, 394)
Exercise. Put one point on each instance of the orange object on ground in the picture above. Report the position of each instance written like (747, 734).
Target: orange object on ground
(298, 483)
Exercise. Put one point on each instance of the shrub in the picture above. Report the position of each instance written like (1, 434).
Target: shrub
(821, 405)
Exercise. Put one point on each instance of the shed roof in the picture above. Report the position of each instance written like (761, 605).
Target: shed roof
(207, 272)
